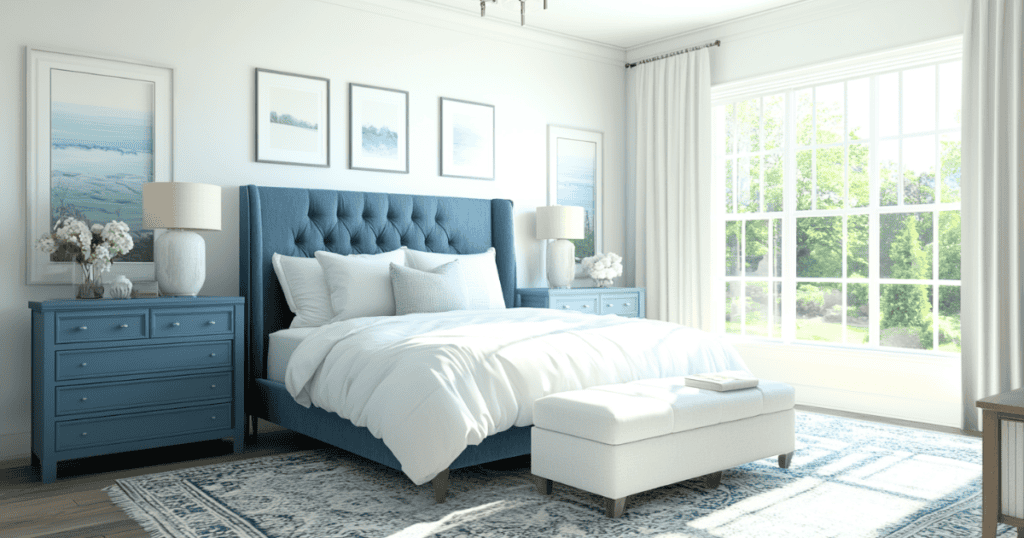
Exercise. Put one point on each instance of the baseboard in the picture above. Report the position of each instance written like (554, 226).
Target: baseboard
(15, 445)
(893, 407)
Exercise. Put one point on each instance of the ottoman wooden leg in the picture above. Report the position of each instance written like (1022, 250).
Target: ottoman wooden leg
(614, 507)
(543, 485)
(440, 483)
(785, 460)
(713, 480)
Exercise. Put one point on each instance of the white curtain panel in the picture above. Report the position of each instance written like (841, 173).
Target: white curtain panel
(673, 186)
(992, 212)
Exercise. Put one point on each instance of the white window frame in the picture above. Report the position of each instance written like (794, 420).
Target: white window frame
(930, 53)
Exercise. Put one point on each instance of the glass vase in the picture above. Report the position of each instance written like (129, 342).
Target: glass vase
(603, 282)
(88, 282)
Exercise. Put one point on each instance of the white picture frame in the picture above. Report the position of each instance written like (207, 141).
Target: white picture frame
(378, 123)
(66, 154)
(467, 139)
(576, 177)
(293, 119)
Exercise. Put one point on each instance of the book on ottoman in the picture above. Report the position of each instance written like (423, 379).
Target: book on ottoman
(721, 381)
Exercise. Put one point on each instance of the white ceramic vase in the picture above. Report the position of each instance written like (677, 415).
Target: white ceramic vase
(121, 287)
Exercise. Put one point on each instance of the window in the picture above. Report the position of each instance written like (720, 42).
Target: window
(841, 211)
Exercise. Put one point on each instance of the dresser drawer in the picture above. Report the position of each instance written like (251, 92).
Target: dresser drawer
(624, 305)
(80, 364)
(132, 394)
(581, 304)
(193, 322)
(140, 426)
(101, 325)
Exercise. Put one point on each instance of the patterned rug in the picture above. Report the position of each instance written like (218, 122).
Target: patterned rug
(848, 479)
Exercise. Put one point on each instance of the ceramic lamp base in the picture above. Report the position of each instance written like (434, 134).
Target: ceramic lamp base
(561, 263)
(180, 257)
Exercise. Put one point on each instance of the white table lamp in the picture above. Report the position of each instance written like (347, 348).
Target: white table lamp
(180, 253)
(560, 222)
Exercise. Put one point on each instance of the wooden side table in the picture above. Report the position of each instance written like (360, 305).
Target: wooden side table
(1002, 483)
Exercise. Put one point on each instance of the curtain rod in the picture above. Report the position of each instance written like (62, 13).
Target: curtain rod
(714, 43)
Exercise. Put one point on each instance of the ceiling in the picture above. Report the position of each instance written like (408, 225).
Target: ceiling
(619, 23)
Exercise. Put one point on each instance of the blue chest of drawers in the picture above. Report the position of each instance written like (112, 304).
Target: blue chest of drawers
(119, 375)
(625, 302)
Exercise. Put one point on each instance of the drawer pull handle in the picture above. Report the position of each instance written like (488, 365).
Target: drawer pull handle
(84, 398)
(83, 328)
(211, 322)
(84, 364)
(124, 325)
(627, 304)
(565, 306)
(84, 434)
(175, 324)
(213, 418)
(213, 386)
(586, 306)
(213, 354)
(609, 305)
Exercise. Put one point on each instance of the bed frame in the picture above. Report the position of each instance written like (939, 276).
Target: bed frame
(299, 222)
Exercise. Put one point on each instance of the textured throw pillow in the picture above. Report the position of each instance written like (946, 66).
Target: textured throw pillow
(305, 290)
(360, 285)
(479, 271)
(440, 290)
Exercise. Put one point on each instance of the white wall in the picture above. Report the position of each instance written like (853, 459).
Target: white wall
(899, 385)
(533, 80)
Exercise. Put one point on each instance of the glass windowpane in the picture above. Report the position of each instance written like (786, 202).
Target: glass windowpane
(777, 240)
(804, 117)
(819, 312)
(748, 125)
(829, 178)
(773, 177)
(905, 251)
(757, 308)
(730, 129)
(828, 107)
(950, 77)
(888, 172)
(858, 312)
(777, 298)
(949, 245)
(919, 100)
(774, 119)
(919, 170)
(730, 185)
(757, 262)
(733, 319)
(949, 155)
(819, 244)
(733, 261)
(906, 320)
(747, 178)
(949, 318)
(804, 181)
(889, 104)
(857, 250)
(858, 170)
(858, 103)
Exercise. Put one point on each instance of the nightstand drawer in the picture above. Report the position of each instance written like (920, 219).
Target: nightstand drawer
(102, 325)
(80, 364)
(131, 394)
(193, 322)
(581, 304)
(140, 426)
(624, 305)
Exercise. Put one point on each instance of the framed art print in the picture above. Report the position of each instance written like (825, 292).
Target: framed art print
(292, 119)
(575, 172)
(97, 129)
(467, 139)
(378, 122)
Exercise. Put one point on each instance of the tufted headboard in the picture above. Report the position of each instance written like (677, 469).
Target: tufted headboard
(299, 222)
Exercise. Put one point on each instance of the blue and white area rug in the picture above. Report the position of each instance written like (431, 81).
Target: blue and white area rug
(848, 479)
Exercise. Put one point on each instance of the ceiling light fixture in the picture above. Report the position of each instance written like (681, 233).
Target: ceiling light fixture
(507, 3)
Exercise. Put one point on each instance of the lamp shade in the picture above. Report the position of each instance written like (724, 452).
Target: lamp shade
(185, 206)
(560, 222)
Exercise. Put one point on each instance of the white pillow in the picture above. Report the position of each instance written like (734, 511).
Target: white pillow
(480, 272)
(440, 290)
(360, 284)
(305, 289)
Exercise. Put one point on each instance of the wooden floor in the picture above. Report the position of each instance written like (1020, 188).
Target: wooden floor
(76, 505)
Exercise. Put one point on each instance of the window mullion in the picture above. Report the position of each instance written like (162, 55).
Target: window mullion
(789, 222)
(874, 234)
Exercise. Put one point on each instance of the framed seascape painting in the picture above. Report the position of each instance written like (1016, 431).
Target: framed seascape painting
(97, 130)
(292, 119)
(467, 139)
(378, 121)
(575, 172)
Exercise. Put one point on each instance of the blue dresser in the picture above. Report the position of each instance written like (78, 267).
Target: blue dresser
(118, 375)
(625, 302)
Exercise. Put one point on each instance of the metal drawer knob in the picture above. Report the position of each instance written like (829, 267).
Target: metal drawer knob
(213, 418)
(213, 386)
(84, 434)
(124, 325)
(213, 354)
(83, 328)
(211, 322)
(84, 364)
(84, 398)
(175, 324)
(586, 306)
(627, 304)
(609, 305)
(565, 306)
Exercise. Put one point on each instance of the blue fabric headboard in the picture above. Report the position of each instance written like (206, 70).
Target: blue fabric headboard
(299, 222)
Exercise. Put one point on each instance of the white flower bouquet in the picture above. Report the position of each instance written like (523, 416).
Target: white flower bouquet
(92, 248)
(603, 268)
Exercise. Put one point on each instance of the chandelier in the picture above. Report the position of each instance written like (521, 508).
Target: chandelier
(508, 4)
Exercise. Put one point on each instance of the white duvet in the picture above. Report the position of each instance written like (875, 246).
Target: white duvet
(429, 385)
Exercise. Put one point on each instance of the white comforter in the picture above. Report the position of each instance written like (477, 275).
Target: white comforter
(429, 385)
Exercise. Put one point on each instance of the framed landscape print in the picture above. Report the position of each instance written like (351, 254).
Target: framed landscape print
(97, 129)
(467, 139)
(378, 121)
(575, 172)
(292, 119)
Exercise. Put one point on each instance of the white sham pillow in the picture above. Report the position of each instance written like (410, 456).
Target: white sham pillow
(360, 284)
(440, 290)
(480, 272)
(305, 290)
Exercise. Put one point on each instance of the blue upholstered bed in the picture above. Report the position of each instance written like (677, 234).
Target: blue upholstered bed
(299, 222)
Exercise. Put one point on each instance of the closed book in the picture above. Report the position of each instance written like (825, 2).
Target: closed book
(721, 381)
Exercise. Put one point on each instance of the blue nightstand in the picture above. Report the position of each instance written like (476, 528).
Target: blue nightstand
(626, 302)
(116, 375)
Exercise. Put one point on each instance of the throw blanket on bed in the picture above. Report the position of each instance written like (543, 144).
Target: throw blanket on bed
(429, 385)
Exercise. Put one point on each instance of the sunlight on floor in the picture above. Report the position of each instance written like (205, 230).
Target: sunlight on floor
(455, 519)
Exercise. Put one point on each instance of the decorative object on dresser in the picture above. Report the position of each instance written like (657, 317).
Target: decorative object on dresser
(378, 124)
(560, 223)
(626, 302)
(603, 268)
(180, 253)
(90, 247)
(114, 376)
(467, 139)
(293, 119)
(575, 172)
(97, 130)
(121, 287)
(1002, 462)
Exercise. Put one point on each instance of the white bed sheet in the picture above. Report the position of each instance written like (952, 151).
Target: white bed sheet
(279, 352)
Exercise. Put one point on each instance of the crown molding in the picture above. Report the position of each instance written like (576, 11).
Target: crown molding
(429, 13)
